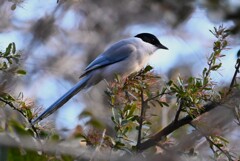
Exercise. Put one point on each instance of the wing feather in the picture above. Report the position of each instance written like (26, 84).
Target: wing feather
(112, 55)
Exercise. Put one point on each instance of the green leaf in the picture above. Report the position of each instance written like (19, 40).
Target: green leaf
(125, 130)
(43, 134)
(191, 80)
(124, 122)
(13, 7)
(95, 123)
(7, 96)
(13, 48)
(204, 72)
(55, 137)
(3, 66)
(170, 83)
(85, 114)
(133, 118)
(119, 144)
(9, 60)
(147, 123)
(216, 67)
(223, 139)
(8, 50)
(165, 104)
(19, 128)
(28, 113)
(113, 120)
(148, 68)
(132, 110)
(80, 135)
(113, 116)
(21, 72)
(217, 45)
(180, 81)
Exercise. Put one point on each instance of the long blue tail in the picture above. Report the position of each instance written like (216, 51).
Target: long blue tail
(62, 100)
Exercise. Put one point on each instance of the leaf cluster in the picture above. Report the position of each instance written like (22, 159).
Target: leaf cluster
(10, 57)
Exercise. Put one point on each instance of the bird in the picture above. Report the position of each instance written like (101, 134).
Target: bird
(121, 58)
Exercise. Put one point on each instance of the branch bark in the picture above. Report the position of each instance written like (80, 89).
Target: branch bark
(152, 141)
(141, 121)
(178, 111)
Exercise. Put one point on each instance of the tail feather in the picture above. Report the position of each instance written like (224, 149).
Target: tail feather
(62, 100)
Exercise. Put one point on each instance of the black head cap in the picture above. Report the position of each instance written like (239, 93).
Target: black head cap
(150, 38)
(238, 54)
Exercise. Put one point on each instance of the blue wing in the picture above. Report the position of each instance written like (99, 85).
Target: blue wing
(118, 52)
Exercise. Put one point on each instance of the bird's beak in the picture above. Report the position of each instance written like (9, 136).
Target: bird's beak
(161, 46)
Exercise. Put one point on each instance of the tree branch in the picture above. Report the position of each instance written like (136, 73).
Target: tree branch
(237, 66)
(173, 126)
(178, 111)
(141, 120)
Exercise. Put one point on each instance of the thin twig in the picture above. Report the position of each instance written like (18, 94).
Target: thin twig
(141, 120)
(212, 142)
(178, 111)
(237, 115)
(23, 114)
(34, 130)
(219, 148)
(156, 96)
(98, 147)
(13, 107)
(237, 66)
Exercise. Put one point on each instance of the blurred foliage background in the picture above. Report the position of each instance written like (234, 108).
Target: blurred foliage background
(57, 39)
